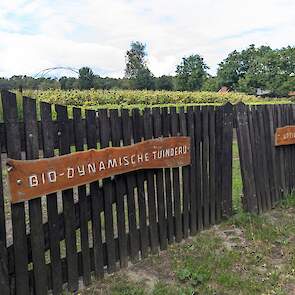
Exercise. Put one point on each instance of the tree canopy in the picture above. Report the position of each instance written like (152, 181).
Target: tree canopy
(270, 70)
(191, 73)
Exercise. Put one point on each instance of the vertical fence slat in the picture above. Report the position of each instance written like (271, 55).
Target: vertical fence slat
(176, 183)
(116, 134)
(192, 173)
(205, 166)
(218, 160)
(68, 203)
(13, 146)
(198, 141)
(168, 185)
(264, 158)
(51, 200)
(277, 156)
(153, 228)
(107, 194)
(289, 150)
(246, 160)
(130, 182)
(185, 178)
(4, 276)
(212, 180)
(35, 209)
(281, 154)
(267, 151)
(227, 138)
(157, 122)
(269, 117)
(292, 122)
(91, 135)
(79, 133)
(137, 120)
(256, 156)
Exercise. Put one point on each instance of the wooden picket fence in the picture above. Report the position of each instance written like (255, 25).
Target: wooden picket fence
(268, 171)
(57, 241)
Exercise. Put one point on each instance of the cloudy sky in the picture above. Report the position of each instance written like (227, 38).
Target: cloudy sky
(39, 34)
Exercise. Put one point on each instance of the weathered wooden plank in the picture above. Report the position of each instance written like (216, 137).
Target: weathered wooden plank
(44, 176)
(185, 178)
(269, 118)
(212, 168)
(52, 239)
(130, 182)
(192, 173)
(96, 196)
(218, 161)
(68, 203)
(153, 232)
(292, 121)
(120, 187)
(137, 121)
(256, 156)
(205, 165)
(35, 210)
(246, 160)
(13, 147)
(79, 131)
(198, 141)
(168, 186)
(176, 181)
(105, 129)
(4, 278)
(227, 139)
(157, 122)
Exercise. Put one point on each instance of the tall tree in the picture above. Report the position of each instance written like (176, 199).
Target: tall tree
(261, 67)
(86, 78)
(191, 73)
(136, 67)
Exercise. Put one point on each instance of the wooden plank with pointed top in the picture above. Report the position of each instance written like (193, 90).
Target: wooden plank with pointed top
(13, 146)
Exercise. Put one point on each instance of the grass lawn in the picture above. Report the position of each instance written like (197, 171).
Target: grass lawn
(244, 255)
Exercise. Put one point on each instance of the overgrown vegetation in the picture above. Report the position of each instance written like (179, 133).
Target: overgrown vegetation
(142, 98)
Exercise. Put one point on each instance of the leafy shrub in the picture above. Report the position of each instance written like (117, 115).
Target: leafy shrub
(125, 98)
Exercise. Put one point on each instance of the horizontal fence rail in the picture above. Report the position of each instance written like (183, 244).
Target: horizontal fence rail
(53, 242)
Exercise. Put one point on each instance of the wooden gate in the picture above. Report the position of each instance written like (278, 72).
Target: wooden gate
(51, 242)
(268, 171)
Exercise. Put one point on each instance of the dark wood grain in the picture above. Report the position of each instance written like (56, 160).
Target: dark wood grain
(96, 196)
(68, 203)
(35, 210)
(176, 181)
(79, 131)
(51, 201)
(157, 124)
(154, 232)
(13, 147)
(120, 187)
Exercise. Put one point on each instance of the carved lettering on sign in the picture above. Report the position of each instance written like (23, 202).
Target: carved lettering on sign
(285, 135)
(32, 178)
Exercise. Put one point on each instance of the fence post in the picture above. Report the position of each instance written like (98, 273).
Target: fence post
(245, 153)
(4, 281)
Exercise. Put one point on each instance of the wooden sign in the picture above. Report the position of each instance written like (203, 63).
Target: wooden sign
(29, 179)
(285, 135)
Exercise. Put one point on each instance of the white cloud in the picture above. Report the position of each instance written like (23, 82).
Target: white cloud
(39, 34)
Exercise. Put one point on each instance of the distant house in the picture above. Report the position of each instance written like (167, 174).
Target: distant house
(224, 89)
(262, 92)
